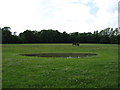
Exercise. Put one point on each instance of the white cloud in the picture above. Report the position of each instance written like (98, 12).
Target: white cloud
(63, 15)
(107, 15)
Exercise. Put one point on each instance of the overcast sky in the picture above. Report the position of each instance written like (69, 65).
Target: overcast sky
(62, 15)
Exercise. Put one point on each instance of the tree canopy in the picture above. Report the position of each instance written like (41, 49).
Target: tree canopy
(108, 35)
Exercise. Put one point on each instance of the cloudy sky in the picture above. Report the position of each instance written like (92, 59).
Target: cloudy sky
(62, 15)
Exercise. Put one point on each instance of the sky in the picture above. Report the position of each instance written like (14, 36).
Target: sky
(62, 15)
(119, 16)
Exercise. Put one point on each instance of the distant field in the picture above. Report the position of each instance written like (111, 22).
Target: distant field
(99, 71)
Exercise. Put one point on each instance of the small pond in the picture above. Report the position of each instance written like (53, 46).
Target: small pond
(65, 55)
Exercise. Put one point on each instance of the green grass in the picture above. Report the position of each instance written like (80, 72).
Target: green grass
(99, 71)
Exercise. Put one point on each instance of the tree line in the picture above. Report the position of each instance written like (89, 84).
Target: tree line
(108, 35)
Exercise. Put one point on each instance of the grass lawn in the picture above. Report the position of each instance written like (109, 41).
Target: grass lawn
(99, 71)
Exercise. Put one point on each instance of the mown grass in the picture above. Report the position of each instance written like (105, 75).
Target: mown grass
(99, 71)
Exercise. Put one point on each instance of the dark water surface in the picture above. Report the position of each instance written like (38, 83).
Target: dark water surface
(65, 55)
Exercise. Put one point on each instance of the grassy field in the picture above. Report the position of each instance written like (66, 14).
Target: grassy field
(99, 71)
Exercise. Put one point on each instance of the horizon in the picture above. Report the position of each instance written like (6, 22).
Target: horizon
(15, 33)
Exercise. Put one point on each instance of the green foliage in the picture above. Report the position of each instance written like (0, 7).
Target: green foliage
(107, 35)
(28, 36)
(100, 71)
(7, 36)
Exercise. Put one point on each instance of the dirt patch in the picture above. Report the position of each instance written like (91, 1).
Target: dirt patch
(66, 55)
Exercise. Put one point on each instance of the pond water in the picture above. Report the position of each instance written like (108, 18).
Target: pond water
(64, 55)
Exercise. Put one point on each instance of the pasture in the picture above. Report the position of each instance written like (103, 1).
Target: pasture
(100, 71)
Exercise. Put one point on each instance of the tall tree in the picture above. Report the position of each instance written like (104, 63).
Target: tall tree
(28, 36)
(6, 35)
